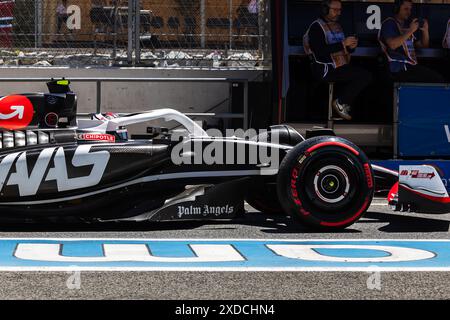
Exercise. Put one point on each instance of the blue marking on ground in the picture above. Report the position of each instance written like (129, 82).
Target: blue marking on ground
(255, 252)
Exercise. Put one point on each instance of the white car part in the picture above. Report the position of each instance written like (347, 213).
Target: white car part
(423, 179)
(167, 114)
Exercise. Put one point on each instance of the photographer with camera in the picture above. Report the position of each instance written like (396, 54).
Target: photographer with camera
(398, 41)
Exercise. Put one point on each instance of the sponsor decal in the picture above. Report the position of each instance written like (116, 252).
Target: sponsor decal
(368, 175)
(52, 99)
(422, 175)
(204, 210)
(51, 119)
(416, 174)
(294, 192)
(303, 158)
(97, 137)
(224, 254)
(28, 180)
(16, 112)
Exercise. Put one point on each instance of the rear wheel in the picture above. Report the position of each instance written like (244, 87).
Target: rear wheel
(325, 182)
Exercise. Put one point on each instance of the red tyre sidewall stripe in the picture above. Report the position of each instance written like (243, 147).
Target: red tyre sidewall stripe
(332, 143)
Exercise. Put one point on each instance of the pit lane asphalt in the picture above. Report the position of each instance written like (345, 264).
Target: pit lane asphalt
(378, 223)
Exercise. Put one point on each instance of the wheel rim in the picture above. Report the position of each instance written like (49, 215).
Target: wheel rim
(328, 184)
(331, 184)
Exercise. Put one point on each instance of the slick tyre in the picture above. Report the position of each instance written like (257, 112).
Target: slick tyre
(325, 182)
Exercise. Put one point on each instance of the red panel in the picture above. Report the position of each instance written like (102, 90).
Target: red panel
(16, 112)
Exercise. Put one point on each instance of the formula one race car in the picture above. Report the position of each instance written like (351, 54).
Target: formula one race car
(54, 166)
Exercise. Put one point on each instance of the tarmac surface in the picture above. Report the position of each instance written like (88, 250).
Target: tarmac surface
(378, 223)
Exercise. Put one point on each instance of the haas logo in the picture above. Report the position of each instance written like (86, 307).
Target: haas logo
(16, 112)
(28, 179)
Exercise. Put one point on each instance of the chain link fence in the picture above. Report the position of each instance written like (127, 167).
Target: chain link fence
(165, 33)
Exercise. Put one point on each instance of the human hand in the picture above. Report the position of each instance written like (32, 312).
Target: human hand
(414, 26)
(350, 42)
(355, 44)
(425, 26)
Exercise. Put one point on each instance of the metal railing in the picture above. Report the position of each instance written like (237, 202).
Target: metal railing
(99, 81)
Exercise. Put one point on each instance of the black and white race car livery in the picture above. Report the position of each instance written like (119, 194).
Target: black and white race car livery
(55, 166)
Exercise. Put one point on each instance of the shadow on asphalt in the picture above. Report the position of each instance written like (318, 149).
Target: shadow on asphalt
(407, 223)
(275, 224)
(271, 224)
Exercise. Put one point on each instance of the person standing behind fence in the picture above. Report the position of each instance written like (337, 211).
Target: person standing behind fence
(398, 41)
(253, 6)
(253, 10)
(61, 14)
(330, 50)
